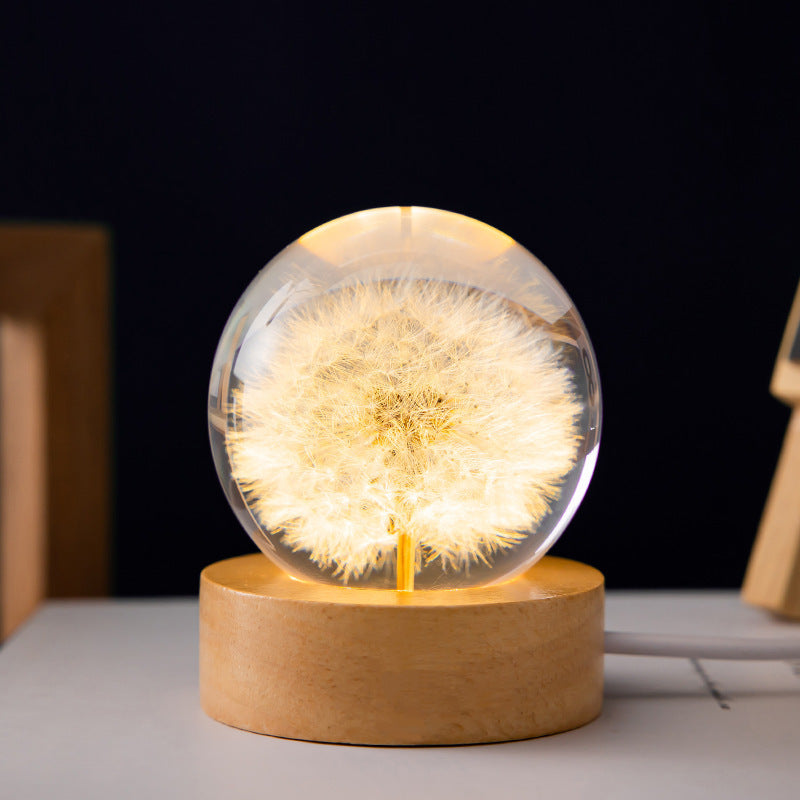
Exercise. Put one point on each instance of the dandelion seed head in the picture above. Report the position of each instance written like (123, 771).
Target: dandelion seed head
(417, 405)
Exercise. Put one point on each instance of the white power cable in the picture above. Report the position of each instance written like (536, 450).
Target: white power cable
(737, 649)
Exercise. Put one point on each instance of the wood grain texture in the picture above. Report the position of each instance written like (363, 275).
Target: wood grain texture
(54, 280)
(772, 579)
(332, 664)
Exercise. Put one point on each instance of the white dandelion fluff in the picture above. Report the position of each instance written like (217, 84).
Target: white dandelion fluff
(402, 422)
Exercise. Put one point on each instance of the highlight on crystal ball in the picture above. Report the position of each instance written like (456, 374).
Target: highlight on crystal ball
(404, 398)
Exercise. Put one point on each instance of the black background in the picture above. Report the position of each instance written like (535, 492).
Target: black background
(646, 152)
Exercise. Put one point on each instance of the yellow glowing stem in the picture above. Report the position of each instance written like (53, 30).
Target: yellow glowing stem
(405, 563)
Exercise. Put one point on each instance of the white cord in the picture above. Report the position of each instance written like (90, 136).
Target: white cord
(752, 649)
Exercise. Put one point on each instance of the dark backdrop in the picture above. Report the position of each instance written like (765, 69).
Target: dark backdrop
(646, 152)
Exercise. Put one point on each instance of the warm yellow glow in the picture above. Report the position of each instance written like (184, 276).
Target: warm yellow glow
(385, 229)
(406, 413)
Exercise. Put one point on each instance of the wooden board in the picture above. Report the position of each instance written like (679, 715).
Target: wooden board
(332, 664)
(54, 416)
(773, 573)
(23, 472)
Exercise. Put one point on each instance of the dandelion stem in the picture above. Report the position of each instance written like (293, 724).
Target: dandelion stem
(405, 562)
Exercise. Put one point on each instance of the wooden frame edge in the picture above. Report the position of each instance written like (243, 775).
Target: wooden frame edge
(54, 415)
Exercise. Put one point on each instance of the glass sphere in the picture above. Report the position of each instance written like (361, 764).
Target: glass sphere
(404, 398)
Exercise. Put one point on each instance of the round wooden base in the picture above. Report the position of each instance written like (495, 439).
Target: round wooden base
(332, 664)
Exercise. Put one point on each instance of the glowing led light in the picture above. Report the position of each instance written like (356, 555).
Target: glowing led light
(408, 416)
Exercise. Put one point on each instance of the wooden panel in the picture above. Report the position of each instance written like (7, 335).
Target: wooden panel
(786, 377)
(54, 279)
(773, 574)
(23, 545)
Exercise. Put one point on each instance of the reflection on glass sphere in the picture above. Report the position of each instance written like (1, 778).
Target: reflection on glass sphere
(404, 398)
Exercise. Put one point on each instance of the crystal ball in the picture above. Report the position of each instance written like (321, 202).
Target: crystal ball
(404, 398)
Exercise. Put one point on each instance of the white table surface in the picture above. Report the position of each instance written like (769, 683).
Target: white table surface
(99, 700)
